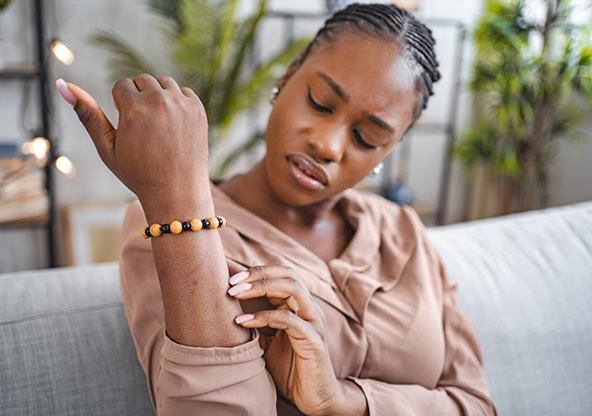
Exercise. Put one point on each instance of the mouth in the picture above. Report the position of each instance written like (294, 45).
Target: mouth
(307, 172)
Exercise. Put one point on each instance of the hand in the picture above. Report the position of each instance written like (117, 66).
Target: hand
(160, 146)
(296, 356)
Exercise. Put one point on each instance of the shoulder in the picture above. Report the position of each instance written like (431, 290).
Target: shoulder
(390, 216)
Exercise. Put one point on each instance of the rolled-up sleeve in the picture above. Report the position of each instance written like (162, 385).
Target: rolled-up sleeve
(462, 388)
(186, 380)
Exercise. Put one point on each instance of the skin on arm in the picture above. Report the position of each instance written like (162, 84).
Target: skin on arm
(159, 151)
(193, 277)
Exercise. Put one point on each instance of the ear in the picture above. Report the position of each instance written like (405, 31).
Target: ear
(294, 66)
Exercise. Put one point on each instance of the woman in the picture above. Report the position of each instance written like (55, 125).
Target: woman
(344, 308)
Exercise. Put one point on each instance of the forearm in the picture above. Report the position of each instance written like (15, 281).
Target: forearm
(193, 274)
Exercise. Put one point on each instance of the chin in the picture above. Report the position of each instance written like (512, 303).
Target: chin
(288, 192)
(284, 187)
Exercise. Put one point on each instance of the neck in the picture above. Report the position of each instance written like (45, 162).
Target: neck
(264, 202)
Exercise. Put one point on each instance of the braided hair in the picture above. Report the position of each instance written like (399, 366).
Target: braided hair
(391, 23)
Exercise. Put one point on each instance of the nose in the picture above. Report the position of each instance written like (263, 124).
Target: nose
(328, 142)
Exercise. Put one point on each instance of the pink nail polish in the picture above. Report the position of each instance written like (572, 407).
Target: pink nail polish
(65, 91)
(243, 287)
(239, 277)
(244, 318)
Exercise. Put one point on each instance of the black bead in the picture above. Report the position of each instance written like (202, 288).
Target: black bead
(205, 223)
(186, 226)
(147, 232)
(165, 228)
(220, 222)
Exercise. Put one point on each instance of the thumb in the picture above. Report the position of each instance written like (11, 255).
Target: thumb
(92, 117)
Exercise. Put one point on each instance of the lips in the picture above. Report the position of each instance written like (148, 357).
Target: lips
(310, 167)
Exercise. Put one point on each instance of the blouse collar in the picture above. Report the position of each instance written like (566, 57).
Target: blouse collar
(343, 274)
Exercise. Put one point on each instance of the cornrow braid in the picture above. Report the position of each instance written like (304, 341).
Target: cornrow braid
(391, 23)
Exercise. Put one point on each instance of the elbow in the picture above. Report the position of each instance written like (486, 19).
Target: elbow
(214, 381)
(486, 406)
(180, 395)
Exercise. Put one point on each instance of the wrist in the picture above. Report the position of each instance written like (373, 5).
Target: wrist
(350, 400)
(166, 207)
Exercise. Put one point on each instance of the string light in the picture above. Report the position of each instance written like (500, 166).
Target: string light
(38, 147)
(62, 52)
(64, 165)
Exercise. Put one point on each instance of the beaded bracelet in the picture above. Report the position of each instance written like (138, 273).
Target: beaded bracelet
(177, 227)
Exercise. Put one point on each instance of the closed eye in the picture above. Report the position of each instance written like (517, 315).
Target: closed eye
(323, 109)
(316, 105)
(361, 140)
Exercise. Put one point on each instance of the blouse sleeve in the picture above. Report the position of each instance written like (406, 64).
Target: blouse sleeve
(462, 388)
(185, 380)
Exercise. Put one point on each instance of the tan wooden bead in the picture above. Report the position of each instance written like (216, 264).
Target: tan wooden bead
(223, 221)
(196, 224)
(155, 230)
(176, 227)
(213, 223)
(143, 232)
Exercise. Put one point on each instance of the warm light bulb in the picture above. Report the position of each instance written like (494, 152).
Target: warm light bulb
(64, 165)
(39, 146)
(62, 52)
(26, 148)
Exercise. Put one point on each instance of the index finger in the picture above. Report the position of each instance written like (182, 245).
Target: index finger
(123, 90)
(262, 273)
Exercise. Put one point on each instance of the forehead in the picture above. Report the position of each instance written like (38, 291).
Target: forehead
(373, 72)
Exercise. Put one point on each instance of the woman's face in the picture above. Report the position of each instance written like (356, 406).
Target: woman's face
(345, 108)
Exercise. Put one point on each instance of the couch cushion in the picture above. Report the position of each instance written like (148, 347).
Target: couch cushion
(65, 346)
(526, 281)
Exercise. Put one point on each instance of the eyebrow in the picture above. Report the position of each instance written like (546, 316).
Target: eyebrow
(345, 97)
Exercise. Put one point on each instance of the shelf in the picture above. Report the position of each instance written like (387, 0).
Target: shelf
(21, 71)
(40, 220)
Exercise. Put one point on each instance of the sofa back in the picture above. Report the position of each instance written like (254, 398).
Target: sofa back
(525, 280)
(65, 346)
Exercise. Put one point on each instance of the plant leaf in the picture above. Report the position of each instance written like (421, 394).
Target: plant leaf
(125, 61)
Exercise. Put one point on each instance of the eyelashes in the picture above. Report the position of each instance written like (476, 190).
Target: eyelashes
(326, 110)
(360, 140)
(316, 105)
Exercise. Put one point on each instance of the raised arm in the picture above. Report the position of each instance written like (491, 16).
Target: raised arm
(198, 360)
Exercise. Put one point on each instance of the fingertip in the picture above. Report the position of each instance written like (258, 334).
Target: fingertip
(65, 91)
(244, 318)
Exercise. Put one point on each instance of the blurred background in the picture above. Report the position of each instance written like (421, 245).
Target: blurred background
(508, 130)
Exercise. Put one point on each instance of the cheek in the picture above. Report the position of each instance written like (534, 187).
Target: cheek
(288, 125)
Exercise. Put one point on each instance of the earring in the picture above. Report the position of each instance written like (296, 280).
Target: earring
(376, 170)
(274, 92)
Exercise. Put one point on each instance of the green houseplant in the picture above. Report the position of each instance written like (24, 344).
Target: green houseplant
(4, 4)
(532, 85)
(210, 48)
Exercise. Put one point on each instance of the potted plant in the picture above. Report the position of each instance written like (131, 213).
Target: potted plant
(531, 85)
(210, 51)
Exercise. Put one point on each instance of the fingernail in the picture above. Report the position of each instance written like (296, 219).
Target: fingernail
(65, 91)
(243, 287)
(244, 318)
(239, 277)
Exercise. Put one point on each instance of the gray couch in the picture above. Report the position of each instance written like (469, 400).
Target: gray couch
(525, 280)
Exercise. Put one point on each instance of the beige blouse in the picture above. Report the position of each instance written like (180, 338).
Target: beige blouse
(392, 321)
